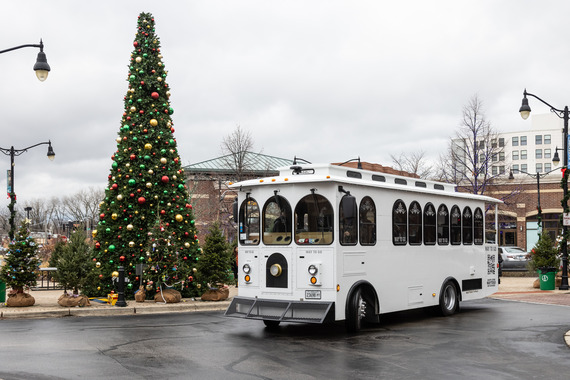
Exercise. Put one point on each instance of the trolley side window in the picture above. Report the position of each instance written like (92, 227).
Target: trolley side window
(367, 217)
(249, 222)
(399, 223)
(314, 220)
(415, 223)
(442, 225)
(430, 225)
(467, 226)
(347, 220)
(455, 225)
(277, 219)
(478, 225)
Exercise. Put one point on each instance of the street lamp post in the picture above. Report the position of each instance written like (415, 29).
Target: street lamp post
(11, 189)
(41, 67)
(563, 114)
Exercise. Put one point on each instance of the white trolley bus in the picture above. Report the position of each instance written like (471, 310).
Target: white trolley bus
(322, 243)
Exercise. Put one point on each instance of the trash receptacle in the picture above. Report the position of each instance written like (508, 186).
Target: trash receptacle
(547, 278)
(2, 291)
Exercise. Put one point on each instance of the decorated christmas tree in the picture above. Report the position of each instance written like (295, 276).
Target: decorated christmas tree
(21, 262)
(146, 185)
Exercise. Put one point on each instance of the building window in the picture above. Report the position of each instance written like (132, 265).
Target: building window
(515, 168)
(547, 167)
(494, 170)
(399, 223)
(495, 157)
(546, 139)
(367, 222)
(501, 142)
(415, 223)
(501, 170)
(538, 153)
(494, 143)
(430, 224)
(442, 225)
(515, 155)
(524, 168)
(515, 141)
(523, 140)
(501, 156)
(523, 154)
(455, 225)
(547, 153)
(539, 168)
(538, 139)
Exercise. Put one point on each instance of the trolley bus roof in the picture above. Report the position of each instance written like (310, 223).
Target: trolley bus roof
(313, 173)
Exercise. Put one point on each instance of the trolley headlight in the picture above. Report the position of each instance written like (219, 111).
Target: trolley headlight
(246, 268)
(275, 270)
(313, 270)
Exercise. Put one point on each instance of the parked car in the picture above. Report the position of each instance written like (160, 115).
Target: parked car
(514, 259)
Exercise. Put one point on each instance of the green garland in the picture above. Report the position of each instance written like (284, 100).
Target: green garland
(11, 207)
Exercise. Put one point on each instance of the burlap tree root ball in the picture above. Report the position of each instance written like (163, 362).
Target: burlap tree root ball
(168, 296)
(20, 300)
(72, 300)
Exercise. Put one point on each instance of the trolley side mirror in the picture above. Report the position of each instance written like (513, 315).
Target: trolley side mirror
(235, 210)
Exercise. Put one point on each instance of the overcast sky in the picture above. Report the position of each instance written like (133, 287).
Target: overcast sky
(324, 80)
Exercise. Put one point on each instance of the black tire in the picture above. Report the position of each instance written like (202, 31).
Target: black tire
(448, 299)
(271, 324)
(356, 311)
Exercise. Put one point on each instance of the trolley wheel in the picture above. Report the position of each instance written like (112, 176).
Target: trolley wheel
(271, 324)
(356, 311)
(448, 299)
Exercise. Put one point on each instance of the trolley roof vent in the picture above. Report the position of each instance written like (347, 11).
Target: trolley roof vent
(379, 178)
(352, 174)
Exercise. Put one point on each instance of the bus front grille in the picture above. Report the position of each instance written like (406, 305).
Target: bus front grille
(283, 311)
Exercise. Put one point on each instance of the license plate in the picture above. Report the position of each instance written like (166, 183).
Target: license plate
(313, 294)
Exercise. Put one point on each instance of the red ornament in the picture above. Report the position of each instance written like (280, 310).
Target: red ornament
(122, 258)
(154, 95)
(135, 44)
(142, 200)
(164, 179)
(114, 186)
(132, 157)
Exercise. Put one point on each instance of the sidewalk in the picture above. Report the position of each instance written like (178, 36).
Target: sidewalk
(46, 306)
(520, 289)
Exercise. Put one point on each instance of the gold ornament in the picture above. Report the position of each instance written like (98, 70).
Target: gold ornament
(98, 264)
(115, 274)
(118, 140)
(153, 122)
(119, 197)
(138, 59)
(187, 245)
(149, 185)
(133, 109)
(179, 218)
(114, 216)
(150, 171)
(94, 233)
(163, 160)
(130, 227)
(131, 244)
(148, 146)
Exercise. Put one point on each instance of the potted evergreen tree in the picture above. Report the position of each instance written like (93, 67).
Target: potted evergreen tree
(214, 266)
(20, 266)
(74, 269)
(544, 259)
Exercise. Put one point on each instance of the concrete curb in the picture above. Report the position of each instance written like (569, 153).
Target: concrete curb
(132, 308)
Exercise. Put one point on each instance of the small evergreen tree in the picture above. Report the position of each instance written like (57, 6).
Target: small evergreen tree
(21, 262)
(544, 254)
(74, 264)
(214, 266)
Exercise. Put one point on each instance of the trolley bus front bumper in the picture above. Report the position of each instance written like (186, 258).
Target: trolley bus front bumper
(282, 311)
